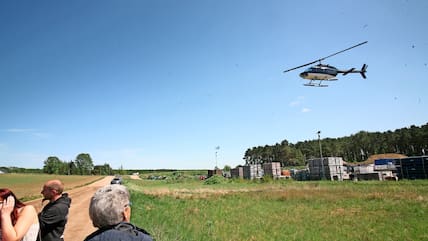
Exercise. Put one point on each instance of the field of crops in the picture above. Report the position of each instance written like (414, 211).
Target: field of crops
(28, 186)
(281, 210)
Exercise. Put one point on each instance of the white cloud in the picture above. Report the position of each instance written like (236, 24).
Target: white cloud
(305, 110)
(41, 134)
(298, 101)
(33, 132)
(18, 130)
(294, 103)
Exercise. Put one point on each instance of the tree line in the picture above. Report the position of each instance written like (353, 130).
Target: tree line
(82, 165)
(409, 141)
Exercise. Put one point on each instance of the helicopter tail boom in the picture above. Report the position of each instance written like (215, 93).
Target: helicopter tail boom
(348, 71)
(352, 70)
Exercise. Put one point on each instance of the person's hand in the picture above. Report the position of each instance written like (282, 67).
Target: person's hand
(7, 206)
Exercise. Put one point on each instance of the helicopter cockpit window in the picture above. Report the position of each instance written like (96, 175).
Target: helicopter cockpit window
(330, 71)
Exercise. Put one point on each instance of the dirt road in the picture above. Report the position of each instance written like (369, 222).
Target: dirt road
(79, 224)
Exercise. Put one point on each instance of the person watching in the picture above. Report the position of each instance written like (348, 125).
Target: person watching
(17, 220)
(54, 215)
(110, 212)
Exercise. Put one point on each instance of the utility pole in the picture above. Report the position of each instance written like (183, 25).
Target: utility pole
(322, 160)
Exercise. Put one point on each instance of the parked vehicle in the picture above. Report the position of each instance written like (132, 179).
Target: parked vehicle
(116, 180)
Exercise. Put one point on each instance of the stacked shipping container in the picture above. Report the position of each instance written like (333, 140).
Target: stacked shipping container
(272, 169)
(253, 171)
(412, 167)
(237, 172)
(333, 168)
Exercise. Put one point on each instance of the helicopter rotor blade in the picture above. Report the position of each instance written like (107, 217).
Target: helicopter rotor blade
(319, 60)
(331, 55)
(313, 62)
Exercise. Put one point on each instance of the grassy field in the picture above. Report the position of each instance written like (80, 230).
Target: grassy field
(28, 186)
(182, 207)
(281, 210)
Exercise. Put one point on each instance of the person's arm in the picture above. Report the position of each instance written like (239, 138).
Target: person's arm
(25, 219)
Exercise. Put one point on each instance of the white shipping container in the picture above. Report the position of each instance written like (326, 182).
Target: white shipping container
(253, 171)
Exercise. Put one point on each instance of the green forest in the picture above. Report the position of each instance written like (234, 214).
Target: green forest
(412, 141)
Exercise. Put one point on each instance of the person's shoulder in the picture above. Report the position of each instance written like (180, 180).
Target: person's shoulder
(141, 234)
(28, 209)
(105, 235)
(54, 208)
(114, 234)
(64, 199)
(144, 235)
(29, 212)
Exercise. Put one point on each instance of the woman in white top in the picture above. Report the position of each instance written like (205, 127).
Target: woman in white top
(18, 222)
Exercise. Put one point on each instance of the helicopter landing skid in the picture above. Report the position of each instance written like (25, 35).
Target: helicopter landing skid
(315, 85)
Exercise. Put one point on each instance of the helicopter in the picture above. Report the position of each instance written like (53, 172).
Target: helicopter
(316, 74)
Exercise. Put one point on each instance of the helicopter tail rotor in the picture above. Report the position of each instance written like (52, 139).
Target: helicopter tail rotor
(363, 71)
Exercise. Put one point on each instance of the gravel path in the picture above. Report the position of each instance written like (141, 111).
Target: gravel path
(79, 224)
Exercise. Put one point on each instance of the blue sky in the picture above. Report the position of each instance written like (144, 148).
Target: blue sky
(160, 84)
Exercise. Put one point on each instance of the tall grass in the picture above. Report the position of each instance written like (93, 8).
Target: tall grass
(282, 210)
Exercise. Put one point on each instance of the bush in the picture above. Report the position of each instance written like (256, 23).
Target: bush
(216, 179)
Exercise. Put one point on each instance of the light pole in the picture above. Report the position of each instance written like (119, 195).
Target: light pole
(322, 161)
(216, 150)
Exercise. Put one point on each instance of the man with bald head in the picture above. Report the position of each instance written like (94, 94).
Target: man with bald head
(54, 215)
